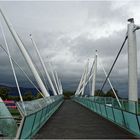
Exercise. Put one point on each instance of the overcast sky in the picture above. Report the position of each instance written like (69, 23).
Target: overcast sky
(67, 34)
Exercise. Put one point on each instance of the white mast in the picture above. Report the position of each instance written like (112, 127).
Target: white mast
(26, 56)
(61, 89)
(94, 75)
(132, 61)
(89, 76)
(54, 78)
(43, 65)
(57, 80)
(85, 78)
(80, 84)
(13, 69)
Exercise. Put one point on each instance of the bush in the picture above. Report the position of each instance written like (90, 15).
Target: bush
(68, 94)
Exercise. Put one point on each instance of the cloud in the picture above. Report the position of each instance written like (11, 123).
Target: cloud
(67, 34)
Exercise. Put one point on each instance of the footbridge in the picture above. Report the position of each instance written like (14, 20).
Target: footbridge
(83, 115)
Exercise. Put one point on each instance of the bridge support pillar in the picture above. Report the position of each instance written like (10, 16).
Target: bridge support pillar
(94, 76)
(132, 61)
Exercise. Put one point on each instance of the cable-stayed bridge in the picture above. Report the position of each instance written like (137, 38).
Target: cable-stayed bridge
(84, 116)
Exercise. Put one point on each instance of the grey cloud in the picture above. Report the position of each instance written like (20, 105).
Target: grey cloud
(65, 33)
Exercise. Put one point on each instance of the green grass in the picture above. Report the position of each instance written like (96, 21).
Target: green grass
(14, 112)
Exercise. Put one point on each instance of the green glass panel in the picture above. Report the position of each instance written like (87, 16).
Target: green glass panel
(127, 119)
(93, 106)
(138, 119)
(103, 111)
(47, 112)
(138, 109)
(119, 117)
(37, 120)
(43, 114)
(85, 103)
(36, 113)
(98, 108)
(88, 103)
(27, 127)
(126, 105)
(131, 122)
(115, 103)
(132, 107)
(29, 107)
(8, 126)
(48, 108)
(109, 113)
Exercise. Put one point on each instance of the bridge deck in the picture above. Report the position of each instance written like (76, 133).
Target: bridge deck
(74, 121)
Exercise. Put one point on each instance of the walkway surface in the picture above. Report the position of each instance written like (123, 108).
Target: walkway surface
(73, 121)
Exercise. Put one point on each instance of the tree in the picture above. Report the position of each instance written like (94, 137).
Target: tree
(14, 98)
(110, 93)
(4, 93)
(28, 96)
(99, 93)
(68, 94)
(37, 96)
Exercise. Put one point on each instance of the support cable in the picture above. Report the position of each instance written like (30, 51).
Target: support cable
(22, 71)
(13, 69)
(110, 84)
(114, 62)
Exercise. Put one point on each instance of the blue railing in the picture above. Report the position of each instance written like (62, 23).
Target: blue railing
(127, 116)
(35, 114)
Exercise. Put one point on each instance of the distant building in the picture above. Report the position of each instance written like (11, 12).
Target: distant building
(10, 103)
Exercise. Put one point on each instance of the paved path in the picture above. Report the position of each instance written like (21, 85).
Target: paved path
(75, 121)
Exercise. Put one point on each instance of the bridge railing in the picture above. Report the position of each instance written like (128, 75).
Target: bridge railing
(127, 105)
(8, 126)
(35, 114)
(127, 116)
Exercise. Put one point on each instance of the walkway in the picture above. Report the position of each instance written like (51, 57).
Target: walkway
(75, 121)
